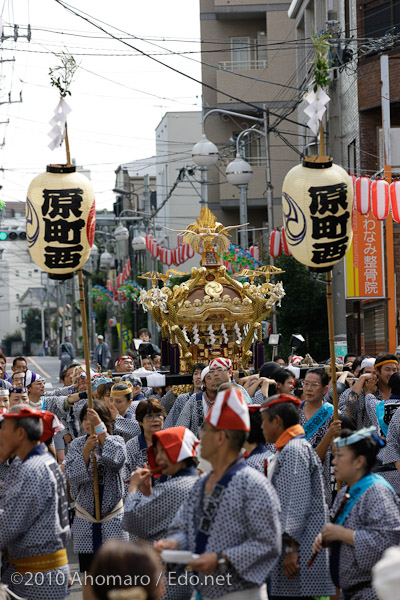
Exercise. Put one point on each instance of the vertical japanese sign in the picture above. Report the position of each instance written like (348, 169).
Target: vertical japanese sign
(126, 336)
(365, 270)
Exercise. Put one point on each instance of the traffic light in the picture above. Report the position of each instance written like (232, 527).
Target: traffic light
(14, 235)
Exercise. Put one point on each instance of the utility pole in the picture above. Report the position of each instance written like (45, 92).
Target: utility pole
(244, 233)
(150, 263)
(387, 152)
(270, 200)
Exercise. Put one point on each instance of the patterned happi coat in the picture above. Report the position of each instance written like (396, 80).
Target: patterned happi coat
(391, 452)
(34, 521)
(314, 440)
(297, 478)
(356, 407)
(260, 457)
(375, 518)
(149, 517)
(246, 527)
(88, 537)
(176, 409)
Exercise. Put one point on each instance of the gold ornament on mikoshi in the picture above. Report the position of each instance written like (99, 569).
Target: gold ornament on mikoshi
(60, 220)
(317, 200)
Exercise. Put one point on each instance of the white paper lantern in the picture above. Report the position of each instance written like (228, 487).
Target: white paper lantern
(275, 244)
(60, 220)
(317, 202)
(395, 200)
(363, 195)
(380, 199)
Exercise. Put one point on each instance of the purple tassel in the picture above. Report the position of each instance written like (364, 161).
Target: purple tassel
(259, 355)
(174, 361)
(165, 351)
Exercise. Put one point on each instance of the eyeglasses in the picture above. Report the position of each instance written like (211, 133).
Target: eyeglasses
(308, 384)
(154, 417)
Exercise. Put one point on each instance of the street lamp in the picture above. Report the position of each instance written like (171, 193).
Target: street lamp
(139, 243)
(121, 233)
(205, 153)
(239, 173)
(106, 261)
(264, 129)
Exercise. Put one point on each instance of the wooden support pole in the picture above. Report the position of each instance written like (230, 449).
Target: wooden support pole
(89, 388)
(331, 331)
(67, 146)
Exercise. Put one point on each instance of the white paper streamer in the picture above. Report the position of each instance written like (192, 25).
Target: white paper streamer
(57, 132)
(238, 333)
(196, 337)
(185, 335)
(316, 109)
(212, 336)
(225, 335)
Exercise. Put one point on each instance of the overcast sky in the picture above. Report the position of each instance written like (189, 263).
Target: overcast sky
(118, 97)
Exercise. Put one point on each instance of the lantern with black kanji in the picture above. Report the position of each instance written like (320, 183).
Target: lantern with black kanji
(60, 220)
(317, 199)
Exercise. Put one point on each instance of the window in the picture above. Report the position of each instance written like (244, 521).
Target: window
(17, 296)
(261, 50)
(29, 273)
(240, 53)
(16, 273)
(381, 16)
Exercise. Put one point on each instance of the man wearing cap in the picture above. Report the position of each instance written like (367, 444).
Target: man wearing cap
(34, 511)
(232, 517)
(124, 364)
(295, 472)
(102, 352)
(222, 372)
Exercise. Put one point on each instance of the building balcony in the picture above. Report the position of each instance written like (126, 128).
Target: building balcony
(243, 65)
(241, 9)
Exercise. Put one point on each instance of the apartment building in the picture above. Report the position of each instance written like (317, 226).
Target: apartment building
(249, 66)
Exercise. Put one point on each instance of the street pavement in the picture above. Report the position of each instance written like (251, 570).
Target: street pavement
(48, 367)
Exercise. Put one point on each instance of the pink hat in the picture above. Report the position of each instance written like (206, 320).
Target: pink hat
(229, 411)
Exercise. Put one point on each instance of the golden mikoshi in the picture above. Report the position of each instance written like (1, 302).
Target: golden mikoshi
(212, 314)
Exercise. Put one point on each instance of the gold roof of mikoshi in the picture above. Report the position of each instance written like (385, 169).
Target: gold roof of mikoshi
(212, 314)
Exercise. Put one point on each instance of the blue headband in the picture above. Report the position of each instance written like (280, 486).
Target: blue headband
(96, 381)
(357, 436)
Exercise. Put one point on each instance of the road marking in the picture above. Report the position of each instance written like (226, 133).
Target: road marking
(39, 367)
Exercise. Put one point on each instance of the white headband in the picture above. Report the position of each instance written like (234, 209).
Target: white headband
(204, 372)
(367, 362)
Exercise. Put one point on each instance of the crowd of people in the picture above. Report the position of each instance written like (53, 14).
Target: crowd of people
(240, 488)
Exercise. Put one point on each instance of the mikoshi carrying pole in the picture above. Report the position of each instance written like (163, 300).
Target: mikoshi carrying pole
(89, 389)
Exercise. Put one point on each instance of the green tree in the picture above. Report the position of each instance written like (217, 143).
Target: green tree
(32, 318)
(303, 309)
